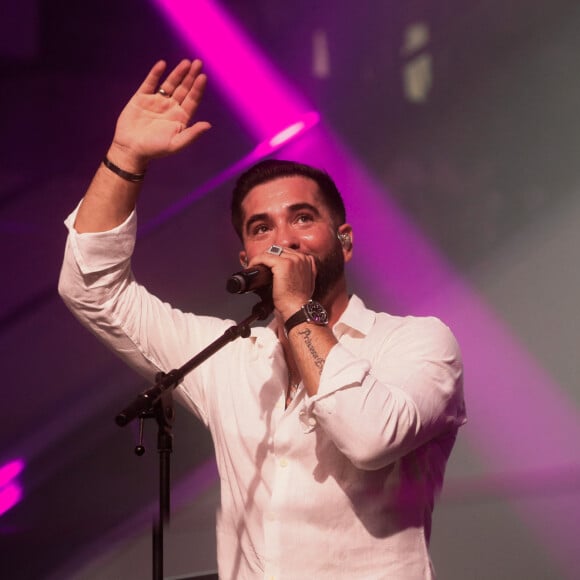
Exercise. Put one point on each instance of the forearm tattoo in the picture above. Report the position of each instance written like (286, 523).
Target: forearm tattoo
(318, 360)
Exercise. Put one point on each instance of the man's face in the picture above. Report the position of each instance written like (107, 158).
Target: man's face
(290, 212)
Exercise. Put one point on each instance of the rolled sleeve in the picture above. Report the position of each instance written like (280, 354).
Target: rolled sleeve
(341, 370)
(381, 398)
(96, 252)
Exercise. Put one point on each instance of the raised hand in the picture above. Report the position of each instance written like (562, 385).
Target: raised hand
(156, 121)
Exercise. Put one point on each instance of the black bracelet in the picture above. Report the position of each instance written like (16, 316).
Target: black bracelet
(134, 177)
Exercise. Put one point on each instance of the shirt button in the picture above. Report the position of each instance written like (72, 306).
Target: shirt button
(283, 462)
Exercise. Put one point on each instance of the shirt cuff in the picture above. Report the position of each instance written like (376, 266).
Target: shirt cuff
(95, 252)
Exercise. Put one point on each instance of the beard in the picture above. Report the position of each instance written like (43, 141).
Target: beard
(329, 270)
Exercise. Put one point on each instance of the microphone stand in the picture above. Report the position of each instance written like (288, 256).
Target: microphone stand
(157, 402)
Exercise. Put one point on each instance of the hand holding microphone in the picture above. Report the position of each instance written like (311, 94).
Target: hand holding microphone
(258, 276)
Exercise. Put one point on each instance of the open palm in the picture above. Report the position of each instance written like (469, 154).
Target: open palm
(155, 122)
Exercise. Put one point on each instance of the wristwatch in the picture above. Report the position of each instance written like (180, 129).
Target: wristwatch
(312, 312)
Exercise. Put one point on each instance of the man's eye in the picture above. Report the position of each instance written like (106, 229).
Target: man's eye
(304, 217)
(262, 228)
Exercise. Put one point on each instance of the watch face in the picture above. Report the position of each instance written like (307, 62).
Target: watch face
(316, 312)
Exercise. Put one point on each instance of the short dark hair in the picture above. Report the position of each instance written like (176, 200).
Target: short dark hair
(271, 169)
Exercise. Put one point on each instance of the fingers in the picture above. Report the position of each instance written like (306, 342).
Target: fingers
(180, 79)
(151, 81)
(273, 256)
(294, 274)
(188, 81)
(178, 83)
(189, 135)
(294, 279)
(195, 94)
(185, 84)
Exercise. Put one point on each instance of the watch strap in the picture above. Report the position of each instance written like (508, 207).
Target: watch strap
(312, 312)
(296, 319)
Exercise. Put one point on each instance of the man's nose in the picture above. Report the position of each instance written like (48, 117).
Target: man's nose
(287, 238)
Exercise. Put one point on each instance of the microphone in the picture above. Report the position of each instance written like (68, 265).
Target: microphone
(249, 279)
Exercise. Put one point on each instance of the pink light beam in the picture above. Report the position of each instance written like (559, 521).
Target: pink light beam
(10, 490)
(261, 97)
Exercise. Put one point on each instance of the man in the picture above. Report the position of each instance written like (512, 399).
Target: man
(332, 425)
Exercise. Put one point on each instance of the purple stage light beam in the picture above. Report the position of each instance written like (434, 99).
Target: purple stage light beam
(10, 471)
(10, 495)
(10, 489)
(262, 99)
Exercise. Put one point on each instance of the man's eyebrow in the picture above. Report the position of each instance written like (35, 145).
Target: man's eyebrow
(304, 205)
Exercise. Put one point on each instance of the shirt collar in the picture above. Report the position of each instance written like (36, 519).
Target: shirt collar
(356, 317)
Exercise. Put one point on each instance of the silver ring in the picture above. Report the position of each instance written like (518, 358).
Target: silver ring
(276, 250)
(163, 93)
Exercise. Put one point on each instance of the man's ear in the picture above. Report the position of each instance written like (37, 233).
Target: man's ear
(345, 237)
(243, 258)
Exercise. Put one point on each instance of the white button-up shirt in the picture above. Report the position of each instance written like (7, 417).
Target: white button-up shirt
(338, 485)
